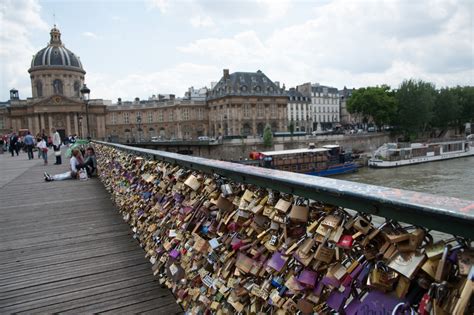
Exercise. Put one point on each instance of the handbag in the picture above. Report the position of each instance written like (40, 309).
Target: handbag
(83, 174)
(57, 153)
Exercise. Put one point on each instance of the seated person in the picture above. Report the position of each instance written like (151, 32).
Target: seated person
(90, 162)
(75, 163)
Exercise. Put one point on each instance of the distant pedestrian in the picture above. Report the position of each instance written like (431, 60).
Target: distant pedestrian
(13, 144)
(56, 146)
(29, 143)
(43, 150)
(38, 140)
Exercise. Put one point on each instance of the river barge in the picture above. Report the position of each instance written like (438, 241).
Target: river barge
(401, 154)
(325, 161)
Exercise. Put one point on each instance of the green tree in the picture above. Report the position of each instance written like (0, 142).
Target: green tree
(447, 109)
(291, 127)
(416, 100)
(376, 104)
(267, 136)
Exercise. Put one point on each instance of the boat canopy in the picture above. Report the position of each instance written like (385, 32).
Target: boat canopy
(294, 151)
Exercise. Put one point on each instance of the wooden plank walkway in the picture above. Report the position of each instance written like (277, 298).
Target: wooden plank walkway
(65, 249)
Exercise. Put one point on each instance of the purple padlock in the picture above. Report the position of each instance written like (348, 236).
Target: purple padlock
(174, 253)
(362, 277)
(330, 282)
(377, 302)
(318, 289)
(308, 278)
(276, 262)
(337, 300)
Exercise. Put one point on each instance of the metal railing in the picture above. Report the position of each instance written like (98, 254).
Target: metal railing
(446, 214)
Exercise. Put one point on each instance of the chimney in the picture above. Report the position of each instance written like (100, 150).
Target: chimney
(226, 74)
(119, 101)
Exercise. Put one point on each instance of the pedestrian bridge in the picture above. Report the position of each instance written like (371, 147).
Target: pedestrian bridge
(65, 249)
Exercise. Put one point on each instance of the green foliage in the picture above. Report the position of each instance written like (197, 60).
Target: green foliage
(376, 104)
(447, 110)
(416, 101)
(291, 128)
(267, 136)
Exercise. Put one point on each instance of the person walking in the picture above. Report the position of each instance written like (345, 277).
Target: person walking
(56, 146)
(13, 144)
(29, 143)
(43, 149)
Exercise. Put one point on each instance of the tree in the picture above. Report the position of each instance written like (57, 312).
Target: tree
(415, 106)
(267, 136)
(447, 109)
(291, 127)
(376, 104)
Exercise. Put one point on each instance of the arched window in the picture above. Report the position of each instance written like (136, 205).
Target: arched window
(39, 89)
(77, 87)
(260, 129)
(246, 130)
(58, 86)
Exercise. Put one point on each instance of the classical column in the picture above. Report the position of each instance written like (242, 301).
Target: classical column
(37, 124)
(50, 122)
(68, 125)
(30, 124)
(76, 129)
(42, 125)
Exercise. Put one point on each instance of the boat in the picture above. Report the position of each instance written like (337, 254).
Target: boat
(401, 154)
(324, 161)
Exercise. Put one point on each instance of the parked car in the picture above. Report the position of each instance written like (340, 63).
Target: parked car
(371, 129)
(204, 138)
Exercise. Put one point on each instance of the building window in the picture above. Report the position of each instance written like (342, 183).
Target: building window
(77, 87)
(260, 111)
(185, 114)
(150, 117)
(39, 89)
(160, 116)
(138, 114)
(246, 110)
(200, 113)
(171, 115)
(126, 118)
(273, 111)
(58, 86)
(114, 118)
(2, 122)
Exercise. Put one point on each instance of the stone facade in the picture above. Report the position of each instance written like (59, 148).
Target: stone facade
(243, 103)
(57, 77)
(300, 112)
(325, 105)
(166, 119)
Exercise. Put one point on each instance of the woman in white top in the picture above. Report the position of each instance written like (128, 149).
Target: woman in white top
(75, 162)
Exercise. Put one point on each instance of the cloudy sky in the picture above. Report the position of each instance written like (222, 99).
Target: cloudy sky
(139, 48)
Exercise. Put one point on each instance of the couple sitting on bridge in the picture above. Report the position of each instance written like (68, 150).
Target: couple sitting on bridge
(78, 164)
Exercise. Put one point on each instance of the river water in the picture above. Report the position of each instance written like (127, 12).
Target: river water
(454, 178)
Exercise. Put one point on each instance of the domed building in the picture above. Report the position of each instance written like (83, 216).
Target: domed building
(57, 78)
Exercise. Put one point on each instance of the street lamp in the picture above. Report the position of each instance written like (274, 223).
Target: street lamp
(85, 92)
(139, 121)
(80, 126)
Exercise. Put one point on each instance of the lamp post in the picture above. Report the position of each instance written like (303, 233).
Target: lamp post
(139, 121)
(80, 126)
(85, 92)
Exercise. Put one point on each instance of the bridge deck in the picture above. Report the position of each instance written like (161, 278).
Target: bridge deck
(64, 248)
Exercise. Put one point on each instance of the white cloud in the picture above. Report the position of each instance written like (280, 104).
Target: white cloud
(357, 43)
(162, 5)
(201, 21)
(174, 80)
(90, 35)
(17, 21)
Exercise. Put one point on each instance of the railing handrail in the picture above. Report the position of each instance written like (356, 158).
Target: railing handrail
(446, 214)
